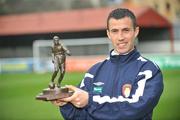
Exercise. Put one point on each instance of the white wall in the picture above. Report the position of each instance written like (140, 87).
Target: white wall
(159, 46)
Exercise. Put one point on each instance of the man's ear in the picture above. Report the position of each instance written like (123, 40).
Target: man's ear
(136, 31)
(108, 34)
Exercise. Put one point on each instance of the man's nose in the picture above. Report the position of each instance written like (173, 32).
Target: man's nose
(120, 36)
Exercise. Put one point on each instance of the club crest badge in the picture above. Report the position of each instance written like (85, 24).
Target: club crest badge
(126, 90)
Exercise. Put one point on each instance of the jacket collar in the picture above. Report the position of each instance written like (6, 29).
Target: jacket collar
(114, 57)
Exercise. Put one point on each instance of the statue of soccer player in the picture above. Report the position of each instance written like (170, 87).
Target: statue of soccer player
(59, 53)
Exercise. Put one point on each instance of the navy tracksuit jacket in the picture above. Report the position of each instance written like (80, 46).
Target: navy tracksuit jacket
(122, 87)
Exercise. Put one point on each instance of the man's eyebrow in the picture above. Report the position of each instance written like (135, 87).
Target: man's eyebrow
(126, 28)
(114, 29)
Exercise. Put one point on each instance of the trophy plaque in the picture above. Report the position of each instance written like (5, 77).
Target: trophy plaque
(49, 94)
(55, 91)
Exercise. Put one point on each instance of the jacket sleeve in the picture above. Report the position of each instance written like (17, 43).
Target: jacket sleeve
(149, 87)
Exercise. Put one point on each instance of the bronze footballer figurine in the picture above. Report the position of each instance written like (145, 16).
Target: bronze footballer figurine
(58, 58)
(55, 91)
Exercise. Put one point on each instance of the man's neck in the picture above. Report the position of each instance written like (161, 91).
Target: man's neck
(114, 52)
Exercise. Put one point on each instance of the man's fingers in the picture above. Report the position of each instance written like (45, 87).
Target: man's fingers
(58, 102)
(79, 97)
(69, 98)
(71, 87)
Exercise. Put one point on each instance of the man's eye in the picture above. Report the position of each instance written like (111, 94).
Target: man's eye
(126, 30)
(114, 31)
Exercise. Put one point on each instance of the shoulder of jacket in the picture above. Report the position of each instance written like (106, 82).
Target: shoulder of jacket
(148, 63)
(96, 66)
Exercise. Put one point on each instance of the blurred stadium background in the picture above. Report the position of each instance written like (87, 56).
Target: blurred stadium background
(26, 30)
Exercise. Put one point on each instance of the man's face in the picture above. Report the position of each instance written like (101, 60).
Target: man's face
(122, 34)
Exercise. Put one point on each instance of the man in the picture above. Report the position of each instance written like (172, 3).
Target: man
(125, 86)
(58, 58)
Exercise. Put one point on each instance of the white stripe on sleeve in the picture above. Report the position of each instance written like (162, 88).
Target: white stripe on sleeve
(85, 76)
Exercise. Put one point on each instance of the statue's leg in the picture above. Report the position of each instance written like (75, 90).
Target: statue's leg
(56, 69)
(62, 72)
(54, 76)
(52, 84)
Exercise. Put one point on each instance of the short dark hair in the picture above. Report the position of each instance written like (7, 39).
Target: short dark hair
(121, 13)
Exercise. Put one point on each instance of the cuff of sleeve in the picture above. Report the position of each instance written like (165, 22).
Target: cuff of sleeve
(67, 106)
(90, 100)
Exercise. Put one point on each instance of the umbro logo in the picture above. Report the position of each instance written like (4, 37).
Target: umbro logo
(98, 83)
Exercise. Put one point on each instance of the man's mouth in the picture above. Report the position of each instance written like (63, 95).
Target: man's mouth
(122, 45)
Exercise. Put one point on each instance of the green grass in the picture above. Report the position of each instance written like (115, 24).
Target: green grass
(18, 91)
(17, 96)
(169, 104)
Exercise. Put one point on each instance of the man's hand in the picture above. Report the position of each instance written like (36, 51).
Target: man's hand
(58, 102)
(79, 97)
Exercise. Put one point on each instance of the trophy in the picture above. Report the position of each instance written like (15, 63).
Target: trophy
(55, 91)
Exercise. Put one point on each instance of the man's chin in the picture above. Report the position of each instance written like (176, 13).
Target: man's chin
(122, 51)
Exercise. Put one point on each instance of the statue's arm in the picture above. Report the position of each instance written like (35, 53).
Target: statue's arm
(66, 51)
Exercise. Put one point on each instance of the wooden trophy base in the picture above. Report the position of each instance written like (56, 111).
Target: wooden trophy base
(54, 94)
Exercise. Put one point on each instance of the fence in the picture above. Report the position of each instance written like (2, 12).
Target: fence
(80, 63)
